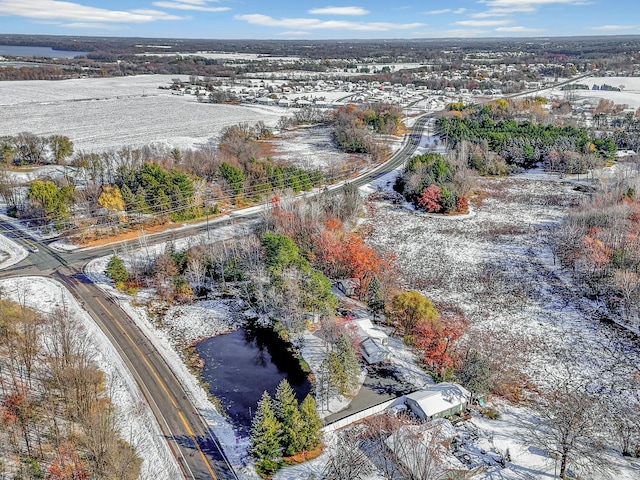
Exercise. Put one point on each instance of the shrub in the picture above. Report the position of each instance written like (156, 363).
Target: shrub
(490, 413)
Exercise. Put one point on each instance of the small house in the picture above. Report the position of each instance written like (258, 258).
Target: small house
(374, 352)
(438, 401)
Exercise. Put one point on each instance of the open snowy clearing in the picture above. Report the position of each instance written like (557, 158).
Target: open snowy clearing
(498, 266)
(309, 148)
(629, 96)
(136, 422)
(170, 121)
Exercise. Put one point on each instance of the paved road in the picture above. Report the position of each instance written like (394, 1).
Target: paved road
(187, 434)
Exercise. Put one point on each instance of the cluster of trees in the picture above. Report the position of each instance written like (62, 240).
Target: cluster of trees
(283, 427)
(435, 184)
(56, 418)
(246, 174)
(292, 288)
(598, 241)
(46, 202)
(149, 184)
(29, 149)
(520, 145)
(340, 371)
(151, 189)
(432, 333)
(353, 126)
(321, 229)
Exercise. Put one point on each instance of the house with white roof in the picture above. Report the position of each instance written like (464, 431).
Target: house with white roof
(438, 401)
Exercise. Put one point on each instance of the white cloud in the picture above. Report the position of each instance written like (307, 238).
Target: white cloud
(481, 23)
(91, 26)
(504, 8)
(190, 5)
(294, 33)
(315, 24)
(457, 11)
(527, 3)
(615, 28)
(353, 11)
(518, 30)
(60, 10)
(503, 12)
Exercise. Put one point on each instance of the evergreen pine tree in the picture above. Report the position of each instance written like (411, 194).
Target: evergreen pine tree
(265, 435)
(116, 270)
(337, 377)
(375, 299)
(349, 362)
(311, 423)
(288, 414)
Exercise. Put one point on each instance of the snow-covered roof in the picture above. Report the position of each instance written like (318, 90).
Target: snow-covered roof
(374, 352)
(367, 330)
(440, 397)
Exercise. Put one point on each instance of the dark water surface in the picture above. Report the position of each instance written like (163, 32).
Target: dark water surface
(21, 51)
(240, 365)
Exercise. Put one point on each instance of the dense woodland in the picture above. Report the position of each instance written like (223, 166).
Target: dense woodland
(115, 189)
(56, 418)
(498, 143)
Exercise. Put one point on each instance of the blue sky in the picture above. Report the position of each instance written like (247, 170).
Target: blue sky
(317, 19)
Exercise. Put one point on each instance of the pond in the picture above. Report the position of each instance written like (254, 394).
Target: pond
(240, 365)
(25, 51)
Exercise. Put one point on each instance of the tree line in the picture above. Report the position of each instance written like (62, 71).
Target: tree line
(501, 144)
(56, 418)
(112, 190)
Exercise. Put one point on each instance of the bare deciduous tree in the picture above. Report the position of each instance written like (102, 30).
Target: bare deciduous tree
(347, 461)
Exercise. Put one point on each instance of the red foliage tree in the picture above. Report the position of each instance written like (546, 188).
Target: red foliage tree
(430, 199)
(462, 204)
(435, 341)
(67, 465)
(339, 254)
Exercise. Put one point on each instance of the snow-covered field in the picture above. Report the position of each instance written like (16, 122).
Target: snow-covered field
(629, 94)
(309, 148)
(111, 113)
(498, 266)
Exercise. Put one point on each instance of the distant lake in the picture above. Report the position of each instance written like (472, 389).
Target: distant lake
(20, 51)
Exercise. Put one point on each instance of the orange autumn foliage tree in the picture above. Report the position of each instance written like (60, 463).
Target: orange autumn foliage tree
(341, 254)
(436, 340)
(67, 465)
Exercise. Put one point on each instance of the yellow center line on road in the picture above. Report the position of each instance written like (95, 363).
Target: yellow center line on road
(164, 388)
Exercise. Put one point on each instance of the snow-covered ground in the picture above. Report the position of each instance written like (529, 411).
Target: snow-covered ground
(310, 148)
(108, 113)
(629, 94)
(136, 422)
(498, 266)
(10, 252)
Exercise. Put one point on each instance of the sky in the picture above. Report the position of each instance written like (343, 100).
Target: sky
(320, 19)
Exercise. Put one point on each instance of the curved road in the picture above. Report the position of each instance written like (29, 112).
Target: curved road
(191, 441)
